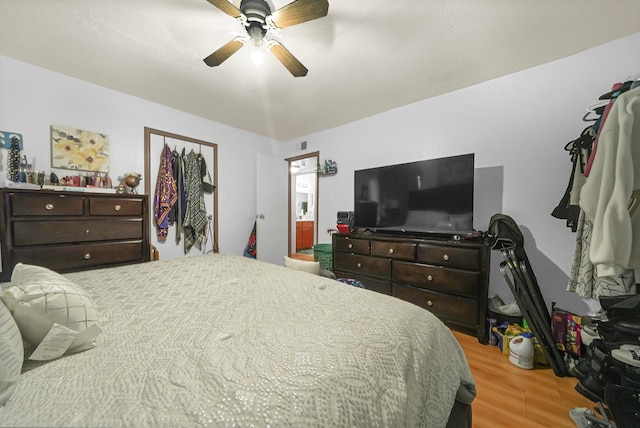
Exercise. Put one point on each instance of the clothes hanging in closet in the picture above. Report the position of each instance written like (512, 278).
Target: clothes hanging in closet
(580, 151)
(615, 174)
(195, 220)
(615, 91)
(176, 216)
(608, 274)
(166, 194)
(583, 279)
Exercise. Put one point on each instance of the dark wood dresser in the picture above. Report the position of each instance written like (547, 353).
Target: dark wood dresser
(71, 231)
(447, 277)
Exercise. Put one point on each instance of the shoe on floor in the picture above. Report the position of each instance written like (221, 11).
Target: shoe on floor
(578, 418)
(588, 334)
(627, 356)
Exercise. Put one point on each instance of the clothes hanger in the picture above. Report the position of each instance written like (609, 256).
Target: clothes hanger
(588, 118)
(613, 94)
(598, 107)
(633, 78)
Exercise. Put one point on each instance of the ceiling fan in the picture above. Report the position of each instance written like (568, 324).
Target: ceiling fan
(259, 21)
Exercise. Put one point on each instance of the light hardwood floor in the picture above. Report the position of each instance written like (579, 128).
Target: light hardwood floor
(509, 396)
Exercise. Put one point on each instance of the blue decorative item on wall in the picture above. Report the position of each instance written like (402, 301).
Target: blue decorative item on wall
(5, 139)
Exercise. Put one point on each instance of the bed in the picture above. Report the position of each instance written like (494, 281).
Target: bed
(223, 340)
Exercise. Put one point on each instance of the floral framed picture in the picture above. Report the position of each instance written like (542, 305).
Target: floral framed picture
(73, 148)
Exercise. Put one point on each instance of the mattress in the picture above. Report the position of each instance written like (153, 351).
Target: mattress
(224, 340)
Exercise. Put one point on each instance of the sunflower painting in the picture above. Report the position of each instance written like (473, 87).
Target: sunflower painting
(73, 148)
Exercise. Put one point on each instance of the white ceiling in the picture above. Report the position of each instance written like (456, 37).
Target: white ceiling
(364, 57)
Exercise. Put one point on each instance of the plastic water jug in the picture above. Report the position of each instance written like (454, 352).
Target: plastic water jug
(521, 351)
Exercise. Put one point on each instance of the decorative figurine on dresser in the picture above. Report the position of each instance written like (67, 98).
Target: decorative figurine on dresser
(70, 231)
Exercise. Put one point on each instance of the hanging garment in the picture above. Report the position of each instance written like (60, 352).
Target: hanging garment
(582, 279)
(598, 126)
(615, 174)
(176, 216)
(207, 182)
(166, 194)
(195, 219)
(580, 149)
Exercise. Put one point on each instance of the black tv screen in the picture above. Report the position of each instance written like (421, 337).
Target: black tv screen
(427, 196)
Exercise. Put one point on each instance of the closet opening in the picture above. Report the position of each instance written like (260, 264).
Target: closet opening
(181, 233)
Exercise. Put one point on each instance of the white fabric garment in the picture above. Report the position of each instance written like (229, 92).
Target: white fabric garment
(615, 243)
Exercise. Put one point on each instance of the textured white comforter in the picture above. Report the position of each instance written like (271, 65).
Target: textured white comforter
(222, 340)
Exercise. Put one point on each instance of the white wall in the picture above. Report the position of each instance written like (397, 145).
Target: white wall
(33, 98)
(517, 126)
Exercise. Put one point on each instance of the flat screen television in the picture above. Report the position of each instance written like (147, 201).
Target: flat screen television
(427, 196)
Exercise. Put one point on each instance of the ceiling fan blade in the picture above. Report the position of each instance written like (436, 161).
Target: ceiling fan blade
(299, 11)
(287, 59)
(226, 7)
(222, 54)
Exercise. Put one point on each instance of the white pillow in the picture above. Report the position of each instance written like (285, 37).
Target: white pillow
(303, 265)
(11, 354)
(39, 297)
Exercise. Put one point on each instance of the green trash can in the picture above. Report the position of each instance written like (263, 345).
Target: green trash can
(323, 253)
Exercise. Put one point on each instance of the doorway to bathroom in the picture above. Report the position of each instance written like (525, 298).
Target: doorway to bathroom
(303, 205)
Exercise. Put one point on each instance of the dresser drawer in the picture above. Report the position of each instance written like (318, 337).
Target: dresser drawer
(363, 265)
(456, 309)
(437, 278)
(115, 206)
(46, 204)
(461, 258)
(373, 284)
(64, 258)
(44, 232)
(350, 245)
(394, 250)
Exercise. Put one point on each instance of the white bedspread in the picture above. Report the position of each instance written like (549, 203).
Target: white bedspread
(222, 340)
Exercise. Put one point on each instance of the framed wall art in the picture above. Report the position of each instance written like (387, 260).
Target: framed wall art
(73, 148)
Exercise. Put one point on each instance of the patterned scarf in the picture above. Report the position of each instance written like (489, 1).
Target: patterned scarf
(195, 219)
(166, 194)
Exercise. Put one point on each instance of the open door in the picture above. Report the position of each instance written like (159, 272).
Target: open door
(303, 203)
(271, 200)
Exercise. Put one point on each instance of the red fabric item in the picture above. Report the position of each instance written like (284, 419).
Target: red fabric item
(607, 109)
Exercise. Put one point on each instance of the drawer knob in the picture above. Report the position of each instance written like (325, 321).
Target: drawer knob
(350, 246)
(429, 303)
(117, 208)
(87, 256)
(48, 207)
(390, 250)
(359, 265)
(87, 231)
(429, 278)
(445, 257)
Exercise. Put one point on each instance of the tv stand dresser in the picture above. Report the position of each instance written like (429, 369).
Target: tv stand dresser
(446, 276)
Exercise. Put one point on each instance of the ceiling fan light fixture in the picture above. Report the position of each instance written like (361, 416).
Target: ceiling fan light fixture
(257, 56)
(258, 21)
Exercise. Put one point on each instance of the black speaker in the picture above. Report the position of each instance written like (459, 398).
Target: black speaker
(345, 221)
(345, 217)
